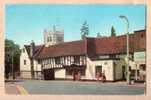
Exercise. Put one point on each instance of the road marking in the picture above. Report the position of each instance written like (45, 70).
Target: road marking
(22, 90)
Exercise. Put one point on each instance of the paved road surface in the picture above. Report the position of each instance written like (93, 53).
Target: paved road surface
(80, 88)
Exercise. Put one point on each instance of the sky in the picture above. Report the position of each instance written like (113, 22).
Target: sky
(26, 22)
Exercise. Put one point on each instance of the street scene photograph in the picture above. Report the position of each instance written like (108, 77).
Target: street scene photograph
(75, 49)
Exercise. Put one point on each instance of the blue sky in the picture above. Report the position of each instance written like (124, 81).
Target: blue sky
(25, 22)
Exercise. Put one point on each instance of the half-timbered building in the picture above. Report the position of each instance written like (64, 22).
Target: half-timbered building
(84, 59)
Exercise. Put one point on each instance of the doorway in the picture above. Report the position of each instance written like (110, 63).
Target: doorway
(49, 74)
(98, 71)
(123, 72)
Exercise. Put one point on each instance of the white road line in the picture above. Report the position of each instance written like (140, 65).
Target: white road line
(22, 90)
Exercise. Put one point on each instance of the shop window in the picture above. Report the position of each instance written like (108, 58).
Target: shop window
(69, 71)
(142, 67)
(98, 69)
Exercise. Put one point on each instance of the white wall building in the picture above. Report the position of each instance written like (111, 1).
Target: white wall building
(82, 59)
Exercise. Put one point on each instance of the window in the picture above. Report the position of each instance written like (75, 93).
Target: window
(76, 59)
(38, 61)
(24, 62)
(142, 67)
(69, 71)
(59, 39)
(49, 39)
(142, 35)
(57, 60)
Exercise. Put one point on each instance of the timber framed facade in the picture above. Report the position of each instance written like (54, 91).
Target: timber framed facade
(83, 59)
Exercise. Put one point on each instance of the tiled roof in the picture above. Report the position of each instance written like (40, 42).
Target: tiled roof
(63, 49)
(112, 45)
(93, 46)
(37, 50)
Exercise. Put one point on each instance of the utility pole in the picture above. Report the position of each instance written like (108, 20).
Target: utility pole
(127, 47)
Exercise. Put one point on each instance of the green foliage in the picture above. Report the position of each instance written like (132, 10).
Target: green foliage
(113, 33)
(12, 54)
(84, 30)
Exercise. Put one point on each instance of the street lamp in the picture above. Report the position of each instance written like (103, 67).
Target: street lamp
(127, 46)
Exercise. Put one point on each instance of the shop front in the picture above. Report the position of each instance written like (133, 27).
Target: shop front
(75, 71)
(139, 59)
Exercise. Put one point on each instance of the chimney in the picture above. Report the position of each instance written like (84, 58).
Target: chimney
(32, 47)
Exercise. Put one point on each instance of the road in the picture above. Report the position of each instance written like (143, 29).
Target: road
(79, 88)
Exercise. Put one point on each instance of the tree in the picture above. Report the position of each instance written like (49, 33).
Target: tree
(84, 30)
(113, 33)
(12, 56)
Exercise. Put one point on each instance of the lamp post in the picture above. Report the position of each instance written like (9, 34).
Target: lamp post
(127, 46)
(13, 74)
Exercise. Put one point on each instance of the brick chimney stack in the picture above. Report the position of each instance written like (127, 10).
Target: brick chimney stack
(32, 47)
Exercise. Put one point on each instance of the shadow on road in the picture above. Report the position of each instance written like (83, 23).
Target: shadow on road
(15, 80)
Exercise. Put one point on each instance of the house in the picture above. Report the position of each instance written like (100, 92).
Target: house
(30, 67)
(140, 55)
(84, 59)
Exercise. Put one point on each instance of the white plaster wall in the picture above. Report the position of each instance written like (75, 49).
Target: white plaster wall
(37, 67)
(25, 75)
(60, 73)
(24, 56)
(107, 67)
(133, 65)
(118, 69)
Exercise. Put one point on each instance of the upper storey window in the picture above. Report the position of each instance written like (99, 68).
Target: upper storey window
(59, 39)
(49, 39)
(57, 60)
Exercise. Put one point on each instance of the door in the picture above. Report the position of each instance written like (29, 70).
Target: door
(49, 74)
(123, 72)
(98, 71)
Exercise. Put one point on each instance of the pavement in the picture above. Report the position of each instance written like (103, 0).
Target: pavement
(11, 87)
(26, 87)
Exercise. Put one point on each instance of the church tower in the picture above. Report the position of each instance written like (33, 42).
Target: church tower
(53, 36)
